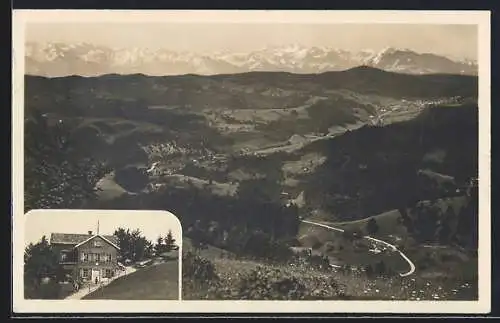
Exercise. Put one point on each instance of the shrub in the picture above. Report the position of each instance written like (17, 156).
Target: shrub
(267, 282)
(270, 284)
(197, 269)
(199, 278)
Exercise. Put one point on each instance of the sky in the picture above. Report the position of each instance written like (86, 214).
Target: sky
(151, 224)
(459, 41)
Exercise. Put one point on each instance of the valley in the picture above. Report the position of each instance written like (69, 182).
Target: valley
(257, 163)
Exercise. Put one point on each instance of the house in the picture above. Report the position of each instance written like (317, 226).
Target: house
(301, 250)
(87, 257)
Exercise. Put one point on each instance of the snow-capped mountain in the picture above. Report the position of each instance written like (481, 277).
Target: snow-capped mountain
(60, 59)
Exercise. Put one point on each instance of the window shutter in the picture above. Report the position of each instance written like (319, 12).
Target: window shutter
(83, 256)
(81, 272)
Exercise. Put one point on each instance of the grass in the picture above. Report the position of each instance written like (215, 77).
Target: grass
(210, 252)
(66, 290)
(356, 286)
(157, 282)
(220, 189)
(453, 279)
(444, 262)
(321, 239)
(388, 223)
(432, 262)
(309, 161)
(109, 189)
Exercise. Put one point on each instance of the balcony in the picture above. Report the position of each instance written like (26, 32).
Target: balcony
(67, 259)
(67, 262)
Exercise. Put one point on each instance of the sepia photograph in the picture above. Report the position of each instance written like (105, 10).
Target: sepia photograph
(96, 255)
(307, 155)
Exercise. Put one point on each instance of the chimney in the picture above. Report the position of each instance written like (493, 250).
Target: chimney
(90, 232)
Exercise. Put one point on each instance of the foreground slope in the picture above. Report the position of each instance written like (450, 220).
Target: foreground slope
(157, 282)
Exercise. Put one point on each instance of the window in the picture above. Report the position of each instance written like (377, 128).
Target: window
(85, 273)
(108, 273)
(64, 256)
(84, 256)
(106, 258)
(97, 243)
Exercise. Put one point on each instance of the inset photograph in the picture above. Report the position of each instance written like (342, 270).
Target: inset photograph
(92, 255)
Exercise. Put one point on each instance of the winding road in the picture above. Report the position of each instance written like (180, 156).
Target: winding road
(392, 247)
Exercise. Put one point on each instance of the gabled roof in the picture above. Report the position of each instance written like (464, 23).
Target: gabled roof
(74, 239)
(102, 237)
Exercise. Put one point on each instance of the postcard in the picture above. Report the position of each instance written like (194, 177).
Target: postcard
(251, 161)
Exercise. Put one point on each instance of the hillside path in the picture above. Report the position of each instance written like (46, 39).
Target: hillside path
(84, 291)
(392, 247)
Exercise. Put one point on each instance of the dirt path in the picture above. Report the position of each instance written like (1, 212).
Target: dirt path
(84, 291)
(392, 247)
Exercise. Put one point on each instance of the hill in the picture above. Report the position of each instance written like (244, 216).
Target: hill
(370, 178)
(120, 116)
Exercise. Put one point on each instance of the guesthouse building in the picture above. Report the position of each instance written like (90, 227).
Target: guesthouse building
(87, 257)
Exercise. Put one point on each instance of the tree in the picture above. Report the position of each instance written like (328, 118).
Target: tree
(405, 219)
(159, 245)
(372, 226)
(198, 235)
(352, 234)
(380, 268)
(58, 171)
(169, 242)
(40, 262)
(264, 190)
(369, 271)
(149, 251)
(133, 245)
(140, 247)
(444, 229)
(124, 242)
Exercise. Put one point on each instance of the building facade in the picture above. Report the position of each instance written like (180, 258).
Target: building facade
(87, 257)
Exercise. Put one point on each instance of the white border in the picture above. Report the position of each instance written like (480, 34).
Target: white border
(480, 18)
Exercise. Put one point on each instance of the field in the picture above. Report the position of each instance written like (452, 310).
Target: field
(234, 274)
(108, 189)
(157, 282)
(342, 251)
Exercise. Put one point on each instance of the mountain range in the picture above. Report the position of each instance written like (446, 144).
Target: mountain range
(55, 59)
